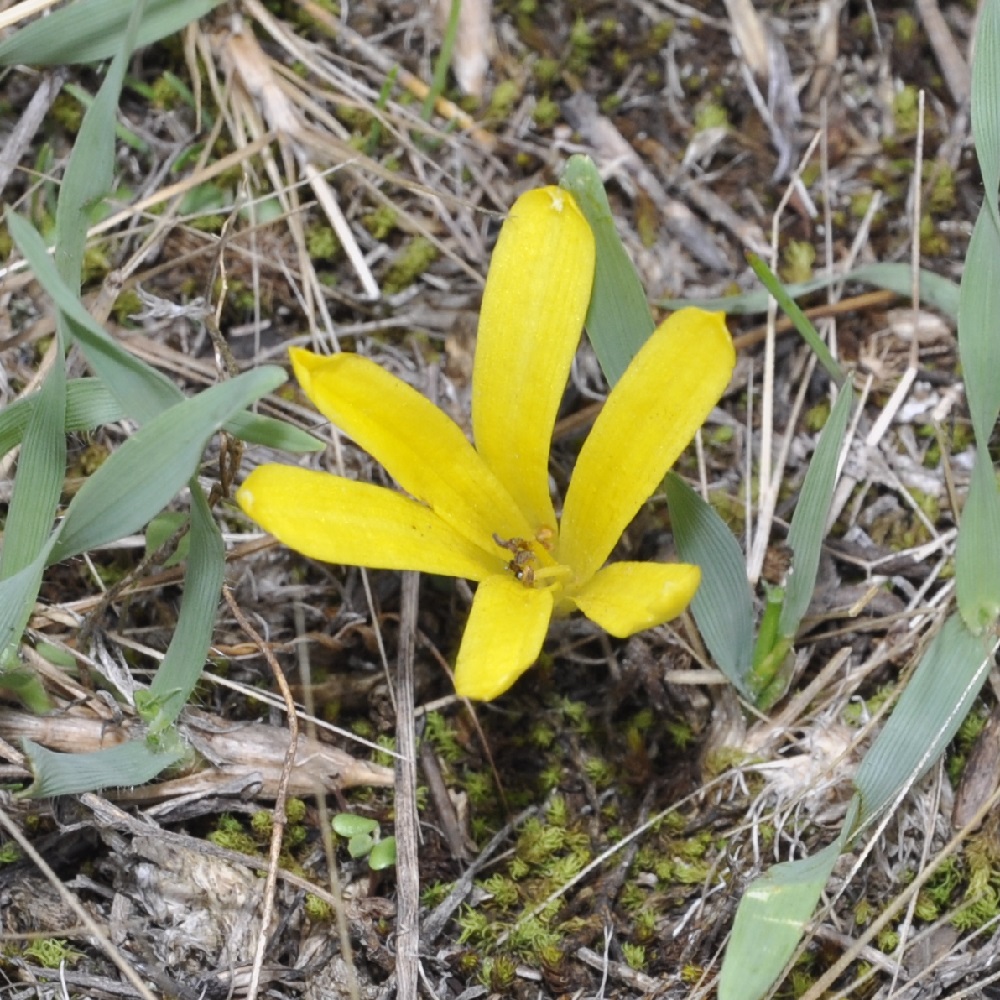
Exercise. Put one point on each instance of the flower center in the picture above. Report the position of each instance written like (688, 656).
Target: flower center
(532, 563)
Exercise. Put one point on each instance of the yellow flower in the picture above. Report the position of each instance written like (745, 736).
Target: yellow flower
(485, 512)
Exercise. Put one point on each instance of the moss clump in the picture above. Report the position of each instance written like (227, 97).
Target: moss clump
(409, 264)
(50, 953)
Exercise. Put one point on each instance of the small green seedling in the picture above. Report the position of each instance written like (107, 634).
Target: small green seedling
(363, 838)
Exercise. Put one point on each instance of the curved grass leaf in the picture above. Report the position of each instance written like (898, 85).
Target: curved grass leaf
(812, 512)
(723, 604)
(770, 920)
(182, 666)
(132, 763)
(92, 30)
(934, 290)
(148, 470)
(88, 405)
(618, 319)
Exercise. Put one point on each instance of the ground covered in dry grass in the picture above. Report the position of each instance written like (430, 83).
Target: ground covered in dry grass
(591, 832)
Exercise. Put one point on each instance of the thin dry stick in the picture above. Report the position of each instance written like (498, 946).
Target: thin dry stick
(96, 933)
(279, 819)
(407, 828)
(952, 62)
(771, 483)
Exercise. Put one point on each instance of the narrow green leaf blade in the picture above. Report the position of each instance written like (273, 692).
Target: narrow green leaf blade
(91, 30)
(977, 553)
(978, 335)
(132, 763)
(933, 290)
(791, 309)
(769, 923)
(182, 666)
(723, 604)
(618, 320)
(812, 512)
(17, 597)
(89, 173)
(40, 472)
(142, 476)
(926, 717)
(271, 433)
(141, 390)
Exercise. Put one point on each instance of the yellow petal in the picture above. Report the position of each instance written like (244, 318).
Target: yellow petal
(536, 298)
(337, 520)
(503, 637)
(627, 597)
(422, 448)
(651, 414)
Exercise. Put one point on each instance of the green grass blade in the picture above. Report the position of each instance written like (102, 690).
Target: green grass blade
(791, 309)
(132, 763)
(977, 559)
(17, 598)
(812, 512)
(271, 433)
(182, 666)
(40, 472)
(926, 717)
(141, 390)
(723, 604)
(147, 471)
(978, 341)
(91, 30)
(769, 923)
(977, 552)
(90, 171)
(618, 320)
(941, 293)
(443, 61)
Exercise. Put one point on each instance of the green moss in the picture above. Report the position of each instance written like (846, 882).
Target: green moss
(504, 99)
(941, 197)
(50, 953)
(932, 240)
(634, 955)
(547, 72)
(797, 262)
(382, 222)
(439, 732)
(581, 44)
(905, 109)
(547, 112)
(317, 910)
(503, 890)
(322, 243)
(907, 29)
(709, 115)
(409, 264)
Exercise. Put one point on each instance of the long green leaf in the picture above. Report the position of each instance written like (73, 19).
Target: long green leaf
(89, 173)
(926, 717)
(182, 666)
(723, 604)
(91, 30)
(791, 309)
(618, 320)
(146, 472)
(933, 290)
(40, 473)
(132, 763)
(812, 512)
(769, 922)
(88, 405)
